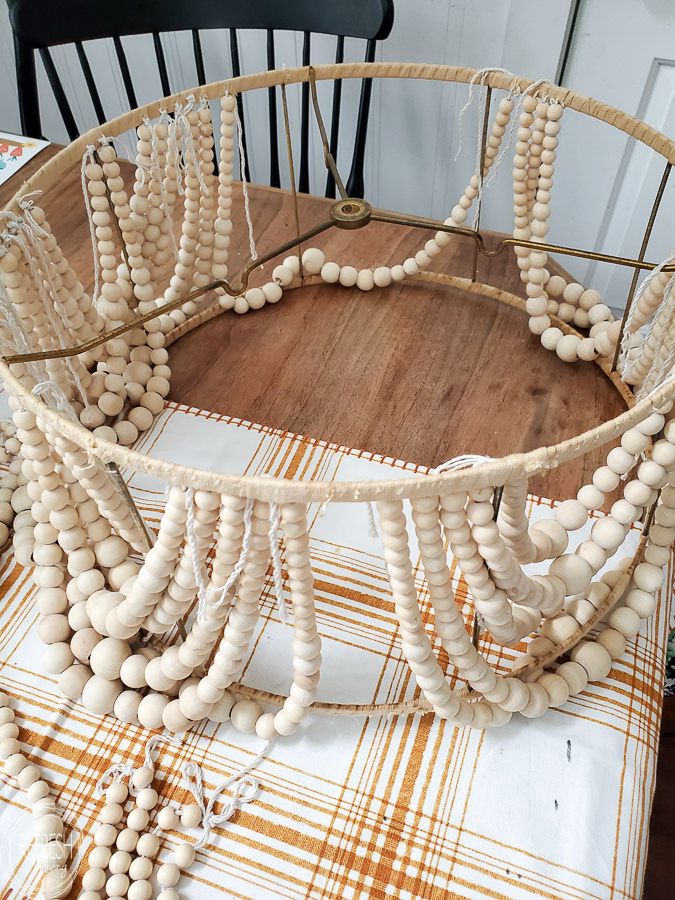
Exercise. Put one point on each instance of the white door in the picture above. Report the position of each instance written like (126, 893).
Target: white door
(624, 54)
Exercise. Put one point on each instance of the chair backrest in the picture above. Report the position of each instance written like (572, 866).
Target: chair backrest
(39, 25)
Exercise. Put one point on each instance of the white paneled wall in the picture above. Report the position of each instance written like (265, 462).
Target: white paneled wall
(601, 178)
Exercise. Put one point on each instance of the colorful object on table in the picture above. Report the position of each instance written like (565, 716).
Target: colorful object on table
(15, 152)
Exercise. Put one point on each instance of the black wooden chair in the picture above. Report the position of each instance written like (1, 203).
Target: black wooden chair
(39, 25)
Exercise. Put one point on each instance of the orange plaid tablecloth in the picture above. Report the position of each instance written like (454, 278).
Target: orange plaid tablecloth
(404, 807)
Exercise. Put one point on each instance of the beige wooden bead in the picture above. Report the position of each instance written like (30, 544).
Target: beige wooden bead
(56, 883)
(99, 694)
(613, 641)
(107, 657)
(594, 658)
(150, 710)
(191, 815)
(556, 687)
(127, 839)
(625, 620)
(184, 856)
(53, 855)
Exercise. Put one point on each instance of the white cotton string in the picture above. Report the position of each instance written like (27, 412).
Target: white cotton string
(465, 461)
(116, 772)
(245, 789)
(197, 565)
(164, 205)
(59, 398)
(372, 525)
(625, 364)
(27, 205)
(154, 742)
(477, 79)
(244, 186)
(275, 551)
(189, 143)
(87, 158)
(222, 594)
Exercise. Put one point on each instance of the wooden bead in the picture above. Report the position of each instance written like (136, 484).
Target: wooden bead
(8, 747)
(168, 875)
(99, 694)
(14, 764)
(167, 819)
(642, 602)
(608, 533)
(571, 514)
(625, 620)
(107, 657)
(119, 862)
(53, 855)
(127, 839)
(594, 658)
(312, 261)
(140, 868)
(142, 778)
(191, 815)
(613, 641)
(244, 715)
(28, 776)
(138, 819)
(48, 827)
(117, 792)
(575, 675)
(184, 856)
(648, 577)
(94, 879)
(56, 883)
(556, 687)
(580, 609)
(147, 798)
(117, 885)
(574, 571)
(264, 726)
(140, 890)
(37, 791)
(150, 711)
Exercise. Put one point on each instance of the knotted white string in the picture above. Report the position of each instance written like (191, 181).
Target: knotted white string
(221, 594)
(154, 742)
(48, 302)
(275, 552)
(198, 567)
(116, 772)
(464, 461)
(59, 398)
(164, 205)
(477, 80)
(245, 789)
(244, 186)
(87, 159)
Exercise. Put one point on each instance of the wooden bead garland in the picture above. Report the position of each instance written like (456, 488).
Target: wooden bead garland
(70, 522)
(52, 848)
